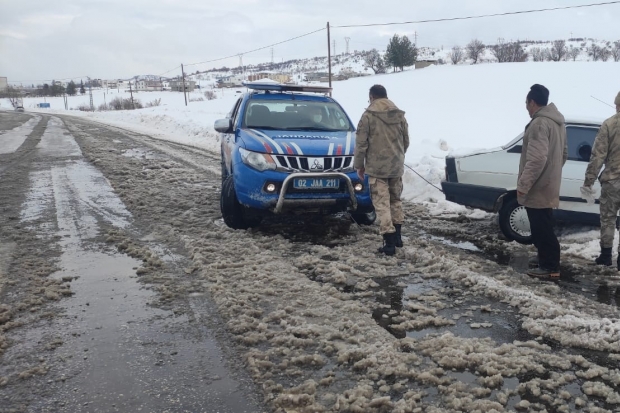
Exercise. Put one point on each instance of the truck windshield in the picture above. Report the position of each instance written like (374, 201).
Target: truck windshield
(295, 115)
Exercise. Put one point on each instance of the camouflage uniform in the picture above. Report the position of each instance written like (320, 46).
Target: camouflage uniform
(385, 193)
(606, 151)
(381, 142)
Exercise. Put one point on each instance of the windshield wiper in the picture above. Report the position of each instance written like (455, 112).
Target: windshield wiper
(314, 128)
(261, 127)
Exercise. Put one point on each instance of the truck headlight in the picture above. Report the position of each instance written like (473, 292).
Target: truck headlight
(259, 161)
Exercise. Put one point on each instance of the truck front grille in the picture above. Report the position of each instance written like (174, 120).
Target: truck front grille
(302, 164)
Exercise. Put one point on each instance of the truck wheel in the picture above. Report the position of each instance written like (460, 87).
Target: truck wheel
(232, 210)
(364, 218)
(514, 223)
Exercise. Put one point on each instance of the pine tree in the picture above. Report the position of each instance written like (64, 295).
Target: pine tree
(82, 90)
(71, 89)
(400, 52)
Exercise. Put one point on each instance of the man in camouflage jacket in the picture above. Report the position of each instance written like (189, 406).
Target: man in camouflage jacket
(606, 151)
(381, 142)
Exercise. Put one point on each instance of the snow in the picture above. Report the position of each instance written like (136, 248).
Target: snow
(11, 140)
(450, 109)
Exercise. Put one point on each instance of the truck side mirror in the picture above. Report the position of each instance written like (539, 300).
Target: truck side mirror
(223, 125)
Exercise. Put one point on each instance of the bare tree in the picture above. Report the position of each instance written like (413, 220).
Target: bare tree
(517, 53)
(374, 61)
(500, 51)
(538, 54)
(615, 51)
(456, 55)
(573, 53)
(474, 50)
(605, 54)
(594, 52)
(558, 50)
(509, 52)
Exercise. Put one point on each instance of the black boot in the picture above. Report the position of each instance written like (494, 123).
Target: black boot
(389, 244)
(399, 240)
(604, 258)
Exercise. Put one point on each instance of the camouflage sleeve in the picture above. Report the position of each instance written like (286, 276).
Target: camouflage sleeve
(361, 142)
(535, 158)
(405, 134)
(599, 154)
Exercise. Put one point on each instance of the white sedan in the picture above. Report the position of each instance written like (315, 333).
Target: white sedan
(488, 180)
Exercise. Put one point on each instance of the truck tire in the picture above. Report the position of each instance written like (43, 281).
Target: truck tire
(514, 223)
(232, 210)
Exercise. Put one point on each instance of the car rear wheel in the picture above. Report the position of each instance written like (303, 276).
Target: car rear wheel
(514, 223)
(232, 210)
(364, 218)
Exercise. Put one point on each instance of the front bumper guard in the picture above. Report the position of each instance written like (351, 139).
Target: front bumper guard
(282, 201)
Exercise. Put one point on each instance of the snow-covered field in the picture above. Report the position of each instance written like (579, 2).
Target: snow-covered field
(450, 109)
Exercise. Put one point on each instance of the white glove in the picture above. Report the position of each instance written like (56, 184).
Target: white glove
(588, 193)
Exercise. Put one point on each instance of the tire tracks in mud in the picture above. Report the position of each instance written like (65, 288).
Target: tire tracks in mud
(300, 307)
(26, 291)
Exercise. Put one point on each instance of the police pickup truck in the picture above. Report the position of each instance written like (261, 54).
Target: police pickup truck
(288, 149)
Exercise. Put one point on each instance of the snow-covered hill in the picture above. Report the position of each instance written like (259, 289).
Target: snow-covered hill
(355, 61)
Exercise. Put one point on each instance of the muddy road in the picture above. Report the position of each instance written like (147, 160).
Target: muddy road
(122, 290)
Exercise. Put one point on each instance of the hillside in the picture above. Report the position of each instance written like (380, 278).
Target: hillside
(355, 61)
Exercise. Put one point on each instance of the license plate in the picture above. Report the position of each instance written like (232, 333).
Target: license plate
(316, 183)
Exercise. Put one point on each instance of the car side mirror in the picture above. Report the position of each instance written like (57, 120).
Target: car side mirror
(223, 125)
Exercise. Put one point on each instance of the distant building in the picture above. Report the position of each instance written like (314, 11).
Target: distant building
(4, 84)
(318, 77)
(277, 77)
(231, 81)
(110, 84)
(421, 64)
(177, 85)
(148, 85)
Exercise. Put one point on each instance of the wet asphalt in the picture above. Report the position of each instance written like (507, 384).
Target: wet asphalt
(103, 346)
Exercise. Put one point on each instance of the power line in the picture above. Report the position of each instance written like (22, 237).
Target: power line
(169, 70)
(480, 16)
(256, 50)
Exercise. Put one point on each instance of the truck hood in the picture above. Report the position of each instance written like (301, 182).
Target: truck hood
(311, 143)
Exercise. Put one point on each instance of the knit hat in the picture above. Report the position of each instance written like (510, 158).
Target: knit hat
(617, 101)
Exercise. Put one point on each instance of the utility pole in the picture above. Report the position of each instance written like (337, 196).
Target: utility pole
(272, 55)
(347, 39)
(415, 38)
(131, 93)
(335, 54)
(90, 92)
(183, 74)
(329, 60)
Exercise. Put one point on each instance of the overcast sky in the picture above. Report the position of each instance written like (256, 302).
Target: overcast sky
(57, 39)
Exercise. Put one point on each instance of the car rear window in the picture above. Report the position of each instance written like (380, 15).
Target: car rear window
(580, 142)
(295, 115)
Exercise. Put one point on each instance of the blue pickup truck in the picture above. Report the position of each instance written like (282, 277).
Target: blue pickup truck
(288, 149)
